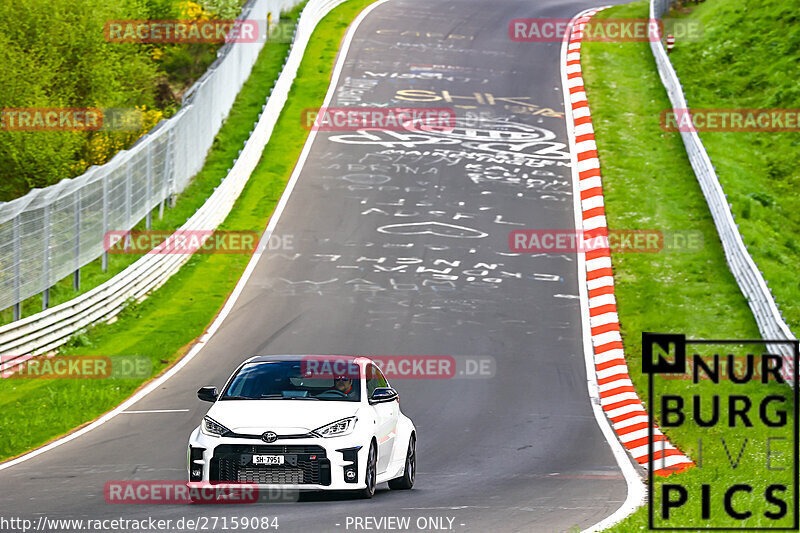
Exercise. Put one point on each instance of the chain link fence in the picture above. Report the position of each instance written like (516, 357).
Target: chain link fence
(51, 233)
(751, 282)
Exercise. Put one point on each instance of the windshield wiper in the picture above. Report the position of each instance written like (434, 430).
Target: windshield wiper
(332, 399)
(301, 398)
(270, 397)
(282, 397)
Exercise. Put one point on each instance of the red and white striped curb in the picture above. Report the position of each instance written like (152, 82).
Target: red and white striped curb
(618, 398)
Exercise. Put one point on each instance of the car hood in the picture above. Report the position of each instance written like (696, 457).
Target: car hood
(283, 416)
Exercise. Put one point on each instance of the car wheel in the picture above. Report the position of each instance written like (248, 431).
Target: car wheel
(406, 481)
(371, 473)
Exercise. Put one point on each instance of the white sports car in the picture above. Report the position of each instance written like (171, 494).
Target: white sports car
(307, 423)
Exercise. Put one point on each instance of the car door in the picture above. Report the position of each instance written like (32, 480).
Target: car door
(386, 415)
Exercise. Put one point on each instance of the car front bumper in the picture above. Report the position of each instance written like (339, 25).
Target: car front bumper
(337, 463)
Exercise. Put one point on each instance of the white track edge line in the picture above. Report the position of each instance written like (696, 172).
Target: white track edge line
(153, 385)
(636, 488)
(148, 411)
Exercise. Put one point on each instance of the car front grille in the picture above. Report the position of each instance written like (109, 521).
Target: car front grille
(303, 465)
(270, 475)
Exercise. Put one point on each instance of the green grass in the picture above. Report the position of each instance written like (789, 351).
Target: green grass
(649, 184)
(162, 326)
(749, 57)
(225, 149)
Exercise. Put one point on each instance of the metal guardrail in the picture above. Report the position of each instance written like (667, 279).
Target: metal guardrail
(751, 282)
(51, 233)
(50, 329)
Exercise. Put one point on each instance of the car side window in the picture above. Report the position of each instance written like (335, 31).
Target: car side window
(381, 380)
(375, 380)
(372, 380)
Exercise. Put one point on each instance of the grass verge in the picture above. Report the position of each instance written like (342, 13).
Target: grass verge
(748, 58)
(649, 184)
(162, 326)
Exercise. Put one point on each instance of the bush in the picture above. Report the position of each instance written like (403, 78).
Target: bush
(56, 55)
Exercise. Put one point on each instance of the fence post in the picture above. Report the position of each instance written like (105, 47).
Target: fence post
(128, 194)
(46, 260)
(17, 268)
(165, 185)
(105, 222)
(148, 224)
(76, 277)
(169, 167)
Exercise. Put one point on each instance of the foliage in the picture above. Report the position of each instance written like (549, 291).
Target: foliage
(57, 56)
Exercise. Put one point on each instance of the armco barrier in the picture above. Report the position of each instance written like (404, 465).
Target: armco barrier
(50, 233)
(749, 278)
(49, 329)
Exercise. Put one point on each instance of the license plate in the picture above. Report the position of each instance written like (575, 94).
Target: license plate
(267, 459)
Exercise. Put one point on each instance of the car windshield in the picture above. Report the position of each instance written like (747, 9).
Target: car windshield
(295, 380)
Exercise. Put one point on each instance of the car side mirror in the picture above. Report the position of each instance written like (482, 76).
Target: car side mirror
(383, 395)
(207, 394)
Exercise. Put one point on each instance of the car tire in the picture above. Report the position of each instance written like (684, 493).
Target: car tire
(406, 481)
(371, 473)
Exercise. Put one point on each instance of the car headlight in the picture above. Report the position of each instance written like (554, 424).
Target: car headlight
(213, 428)
(342, 427)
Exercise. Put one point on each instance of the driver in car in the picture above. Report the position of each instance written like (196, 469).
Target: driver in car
(343, 384)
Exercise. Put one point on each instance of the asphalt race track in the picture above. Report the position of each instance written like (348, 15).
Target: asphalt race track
(400, 247)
